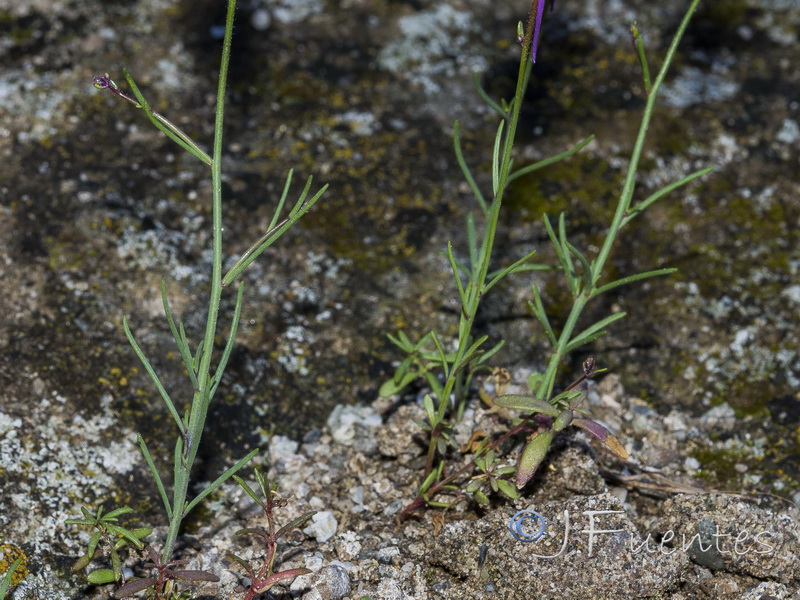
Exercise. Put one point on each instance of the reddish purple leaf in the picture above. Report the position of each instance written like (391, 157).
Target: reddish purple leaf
(602, 434)
(132, 587)
(276, 577)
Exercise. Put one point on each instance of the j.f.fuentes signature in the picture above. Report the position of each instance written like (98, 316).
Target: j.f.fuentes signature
(743, 542)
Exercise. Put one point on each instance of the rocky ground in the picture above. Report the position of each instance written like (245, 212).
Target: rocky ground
(660, 532)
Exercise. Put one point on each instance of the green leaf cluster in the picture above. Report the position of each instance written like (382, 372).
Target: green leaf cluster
(113, 537)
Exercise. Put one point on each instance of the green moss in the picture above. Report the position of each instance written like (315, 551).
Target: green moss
(730, 13)
(718, 465)
(584, 187)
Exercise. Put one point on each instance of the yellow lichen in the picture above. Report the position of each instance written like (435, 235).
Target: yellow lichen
(8, 554)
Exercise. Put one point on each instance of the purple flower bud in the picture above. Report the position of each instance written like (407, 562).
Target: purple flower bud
(102, 82)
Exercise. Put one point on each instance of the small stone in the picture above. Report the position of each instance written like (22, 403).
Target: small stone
(789, 132)
(329, 583)
(347, 425)
(323, 526)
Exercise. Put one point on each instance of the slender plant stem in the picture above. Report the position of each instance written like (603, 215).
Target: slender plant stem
(630, 179)
(476, 286)
(202, 396)
(545, 389)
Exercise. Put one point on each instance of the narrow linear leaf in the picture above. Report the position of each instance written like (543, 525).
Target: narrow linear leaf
(127, 534)
(639, 208)
(195, 575)
(569, 266)
(150, 371)
(422, 342)
(5, 583)
(271, 236)
(139, 533)
(298, 205)
(638, 46)
(445, 364)
(402, 342)
(112, 515)
(87, 520)
(197, 356)
(631, 279)
(403, 369)
(435, 385)
(489, 353)
(264, 484)
(138, 585)
(428, 482)
(527, 403)
(556, 244)
(242, 563)
(549, 161)
(248, 490)
(169, 129)
(463, 268)
(406, 340)
(178, 336)
(430, 411)
(486, 98)
(472, 243)
(535, 267)
(593, 332)
(456, 275)
(284, 194)
(585, 266)
(473, 350)
(226, 353)
(92, 546)
(496, 159)
(220, 480)
(465, 170)
(295, 523)
(392, 387)
(512, 268)
(116, 565)
(538, 311)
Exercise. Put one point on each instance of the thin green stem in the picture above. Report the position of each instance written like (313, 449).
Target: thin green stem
(476, 286)
(630, 180)
(621, 215)
(202, 396)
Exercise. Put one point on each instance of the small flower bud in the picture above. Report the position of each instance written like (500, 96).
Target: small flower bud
(103, 82)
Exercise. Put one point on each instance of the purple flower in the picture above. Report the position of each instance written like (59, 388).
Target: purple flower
(538, 25)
